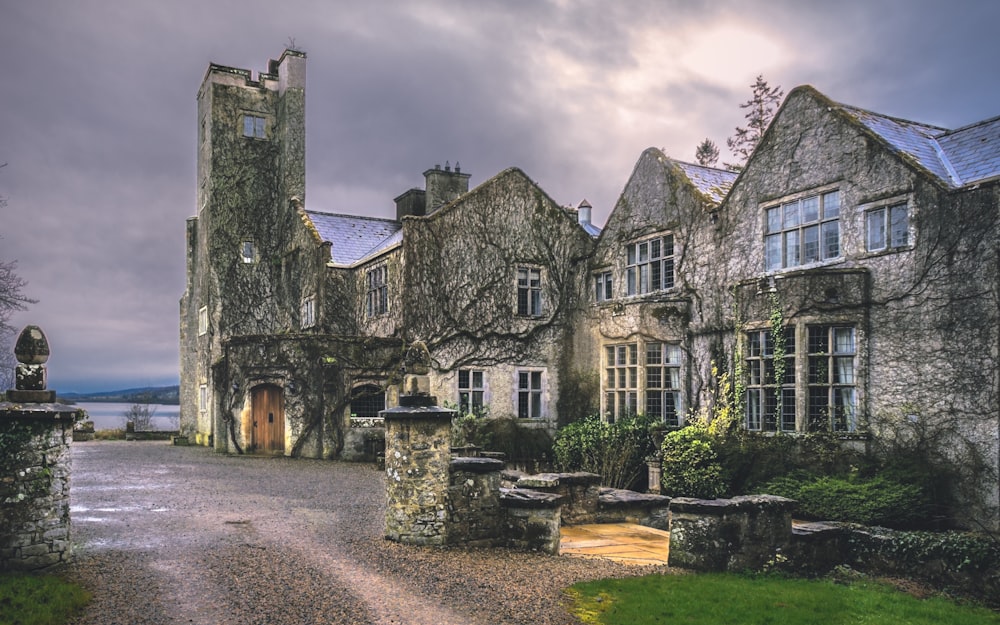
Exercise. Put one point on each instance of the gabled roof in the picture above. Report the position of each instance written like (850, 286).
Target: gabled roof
(712, 183)
(957, 157)
(354, 238)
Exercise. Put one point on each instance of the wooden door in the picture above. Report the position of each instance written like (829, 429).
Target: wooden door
(268, 410)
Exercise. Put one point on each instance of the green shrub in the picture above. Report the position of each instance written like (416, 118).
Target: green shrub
(691, 466)
(871, 501)
(615, 451)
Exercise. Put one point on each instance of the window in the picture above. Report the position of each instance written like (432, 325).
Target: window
(888, 227)
(471, 391)
(770, 401)
(529, 394)
(621, 381)
(529, 292)
(377, 299)
(203, 397)
(247, 252)
(832, 401)
(663, 383)
(307, 316)
(202, 320)
(650, 265)
(254, 127)
(803, 231)
(603, 287)
(367, 401)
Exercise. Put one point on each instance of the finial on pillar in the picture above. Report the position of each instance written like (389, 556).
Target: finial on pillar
(32, 352)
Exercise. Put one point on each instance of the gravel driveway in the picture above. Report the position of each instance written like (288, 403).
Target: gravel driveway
(184, 535)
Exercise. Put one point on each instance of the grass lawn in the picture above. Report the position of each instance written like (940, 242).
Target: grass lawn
(721, 599)
(38, 599)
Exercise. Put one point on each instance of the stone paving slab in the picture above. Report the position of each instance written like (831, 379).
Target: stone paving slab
(626, 543)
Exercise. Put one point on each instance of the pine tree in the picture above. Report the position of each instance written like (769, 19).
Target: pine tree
(707, 153)
(761, 108)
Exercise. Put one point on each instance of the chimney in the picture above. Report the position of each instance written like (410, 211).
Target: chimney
(444, 186)
(412, 202)
(584, 211)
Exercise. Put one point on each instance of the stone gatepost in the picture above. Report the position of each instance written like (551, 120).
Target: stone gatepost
(417, 462)
(35, 437)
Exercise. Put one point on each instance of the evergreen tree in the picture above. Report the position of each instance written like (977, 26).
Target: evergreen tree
(761, 107)
(707, 153)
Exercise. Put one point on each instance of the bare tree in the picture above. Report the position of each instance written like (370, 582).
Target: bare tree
(707, 153)
(761, 107)
(141, 414)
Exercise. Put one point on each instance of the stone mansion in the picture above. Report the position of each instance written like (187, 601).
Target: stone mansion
(848, 277)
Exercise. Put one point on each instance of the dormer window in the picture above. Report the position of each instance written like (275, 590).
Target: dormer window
(650, 265)
(529, 292)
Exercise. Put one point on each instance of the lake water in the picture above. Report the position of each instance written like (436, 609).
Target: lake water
(111, 416)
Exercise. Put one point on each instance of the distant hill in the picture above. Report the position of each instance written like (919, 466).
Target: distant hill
(148, 395)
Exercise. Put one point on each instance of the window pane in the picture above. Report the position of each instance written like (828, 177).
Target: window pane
(643, 252)
(630, 280)
(477, 379)
(536, 380)
(668, 273)
(810, 209)
(654, 353)
(654, 249)
(899, 225)
(631, 254)
(792, 248)
(668, 245)
(654, 377)
(654, 407)
(536, 303)
(876, 230)
(259, 127)
(773, 220)
(607, 286)
(843, 370)
(621, 355)
(536, 405)
(674, 354)
(522, 379)
(655, 280)
(831, 205)
(810, 244)
(522, 405)
(643, 278)
(633, 354)
(463, 378)
(247, 126)
(753, 409)
(843, 340)
(773, 252)
(831, 239)
(790, 217)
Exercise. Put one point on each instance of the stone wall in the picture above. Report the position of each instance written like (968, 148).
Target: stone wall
(34, 485)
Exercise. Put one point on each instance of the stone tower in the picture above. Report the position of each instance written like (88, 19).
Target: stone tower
(250, 180)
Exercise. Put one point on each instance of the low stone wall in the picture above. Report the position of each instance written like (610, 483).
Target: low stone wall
(738, 534)
(474, 512)
(615, 505)
(580, 493)
(532, 520)
(34, 485)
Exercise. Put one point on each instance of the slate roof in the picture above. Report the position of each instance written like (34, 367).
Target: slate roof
(957, 157)
(354, 238)
(711, 182)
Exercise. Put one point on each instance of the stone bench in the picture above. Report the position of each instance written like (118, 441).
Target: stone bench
(615, 505)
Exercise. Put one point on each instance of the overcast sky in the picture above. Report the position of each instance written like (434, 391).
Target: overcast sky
(98, 118)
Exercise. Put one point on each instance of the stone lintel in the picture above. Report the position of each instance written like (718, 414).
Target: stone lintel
(525, 498)
(727, 506)
(476, 465)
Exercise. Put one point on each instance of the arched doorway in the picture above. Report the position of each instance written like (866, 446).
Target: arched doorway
(267, 434)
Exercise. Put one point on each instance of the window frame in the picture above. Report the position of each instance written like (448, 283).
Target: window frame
(770, 407)
(203, 321)
(788, 216)
(377, 291)
(639, 256)
(471, 396)
(203, 398)
(833, 360)
(663, 382)
(529, 399)
(254, 126)
(307, 312)
(621, 380)
(530, 301)
(604, 290)
(884, 214)
(248, 252)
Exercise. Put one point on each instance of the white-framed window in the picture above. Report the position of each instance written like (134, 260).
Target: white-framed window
(621, 380)
(832, 378)
(529, 292)
(770, 401)
(377, 291)
(529, 394)
(603, 287)
(248, 252)
(649, 265)
(888, 227)
(471, 391)
(254, 127)
(663, 383)
(202, 320)
(802, 231)
(307, 314)
(203, 397)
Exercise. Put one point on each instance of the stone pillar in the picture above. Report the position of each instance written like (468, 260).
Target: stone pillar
(417, 462)
(35, 437)
(655, 466)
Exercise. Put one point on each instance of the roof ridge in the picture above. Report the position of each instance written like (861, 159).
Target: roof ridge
(971, 126)
(350, 216)
(908, 122)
